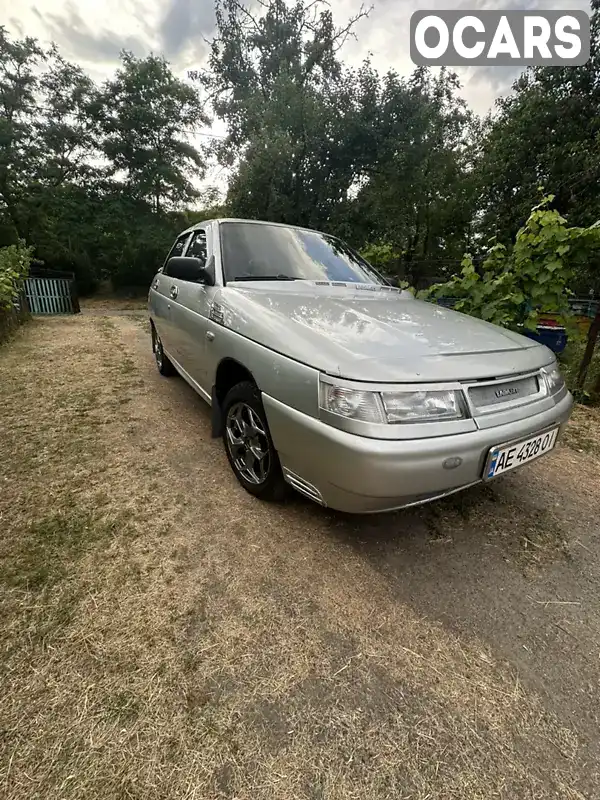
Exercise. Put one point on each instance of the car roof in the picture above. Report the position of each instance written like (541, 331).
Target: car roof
(219, 220)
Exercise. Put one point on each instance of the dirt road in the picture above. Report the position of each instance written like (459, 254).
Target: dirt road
(165, 635)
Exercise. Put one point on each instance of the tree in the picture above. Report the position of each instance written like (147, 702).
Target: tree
(547, 132)
(18, 108)
(56, 188)
(278, 83)
(314, 143)
(147, 116)
(66, 128)
(416, 196)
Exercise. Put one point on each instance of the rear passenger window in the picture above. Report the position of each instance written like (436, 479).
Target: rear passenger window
(176, 250)
(197, 248)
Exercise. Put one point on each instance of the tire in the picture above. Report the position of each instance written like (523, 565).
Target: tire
(243, 411)
(163, 364)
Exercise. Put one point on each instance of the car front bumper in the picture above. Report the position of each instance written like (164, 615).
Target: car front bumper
(361, 475)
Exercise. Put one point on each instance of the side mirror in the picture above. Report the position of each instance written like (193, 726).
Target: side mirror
(187, 268)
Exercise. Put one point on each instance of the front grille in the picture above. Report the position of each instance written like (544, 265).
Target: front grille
(494, 395)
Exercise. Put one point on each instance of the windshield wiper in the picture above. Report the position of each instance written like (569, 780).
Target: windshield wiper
(263, 278)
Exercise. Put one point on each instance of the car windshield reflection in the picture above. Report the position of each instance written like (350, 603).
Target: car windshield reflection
(253, 251)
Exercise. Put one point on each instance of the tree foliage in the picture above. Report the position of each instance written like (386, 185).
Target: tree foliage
(418, 191)
(371, 157)
(291, 109)
(547, 131)
(146, 115)
(18, 151)
(94, 178)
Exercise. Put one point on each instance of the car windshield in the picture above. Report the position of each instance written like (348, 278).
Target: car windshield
(271, 252)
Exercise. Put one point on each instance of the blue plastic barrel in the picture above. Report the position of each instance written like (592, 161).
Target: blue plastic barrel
(553, 337)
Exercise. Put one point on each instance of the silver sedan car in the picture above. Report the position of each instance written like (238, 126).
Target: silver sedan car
(323, 377)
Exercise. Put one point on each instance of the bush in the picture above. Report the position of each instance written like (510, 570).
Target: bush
(535, 276)
(15, 261)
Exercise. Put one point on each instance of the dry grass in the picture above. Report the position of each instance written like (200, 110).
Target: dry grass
(583, 433)
(110, 302)
(163, 635)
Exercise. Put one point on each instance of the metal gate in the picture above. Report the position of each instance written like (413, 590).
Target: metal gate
(49, 295)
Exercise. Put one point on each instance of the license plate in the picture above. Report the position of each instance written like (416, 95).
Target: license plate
(506, 457)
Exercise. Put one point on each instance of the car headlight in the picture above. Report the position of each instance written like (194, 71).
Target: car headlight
(352, 403)
(392, 406)
(554, 380)
(423, 406)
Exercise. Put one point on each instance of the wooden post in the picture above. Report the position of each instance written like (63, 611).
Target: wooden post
(74, 296)
(589, 351)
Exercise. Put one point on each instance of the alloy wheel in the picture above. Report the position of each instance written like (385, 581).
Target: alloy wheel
(158, 353)
(247, 443)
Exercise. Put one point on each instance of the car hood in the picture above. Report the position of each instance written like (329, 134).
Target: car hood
(374, 334)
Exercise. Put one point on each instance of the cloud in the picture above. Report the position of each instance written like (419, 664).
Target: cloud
(17, 25)
(185, 25)
(79, 40)
(495, 5)
(499, 5)
(498, 79)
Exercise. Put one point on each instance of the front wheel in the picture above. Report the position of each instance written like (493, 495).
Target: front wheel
(163, 364)
(248, 443)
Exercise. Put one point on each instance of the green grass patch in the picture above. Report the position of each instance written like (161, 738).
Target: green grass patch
(45, 550)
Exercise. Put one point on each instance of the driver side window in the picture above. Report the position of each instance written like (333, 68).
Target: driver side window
(197, 248)
(176, 250)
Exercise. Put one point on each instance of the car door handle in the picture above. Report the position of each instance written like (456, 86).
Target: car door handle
(174, 292)
(210, 336)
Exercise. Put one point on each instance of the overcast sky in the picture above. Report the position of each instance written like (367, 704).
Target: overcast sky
(93, 32)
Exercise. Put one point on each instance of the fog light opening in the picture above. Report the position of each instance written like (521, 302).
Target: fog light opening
(452, 463)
